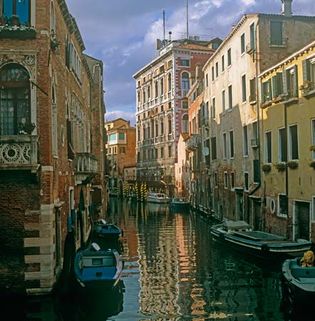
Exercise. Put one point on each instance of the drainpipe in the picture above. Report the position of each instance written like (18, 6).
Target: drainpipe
(257, 109)
(286, 168)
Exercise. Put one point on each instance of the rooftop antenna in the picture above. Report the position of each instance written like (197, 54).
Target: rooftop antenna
(163, 25)
(187, 27)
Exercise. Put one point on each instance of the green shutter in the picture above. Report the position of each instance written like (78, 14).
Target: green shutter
(284, 82)
(306, 70)
(279, 83)
(295, 82)
(274, 87)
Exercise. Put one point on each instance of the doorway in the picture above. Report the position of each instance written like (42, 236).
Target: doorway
(302, 220)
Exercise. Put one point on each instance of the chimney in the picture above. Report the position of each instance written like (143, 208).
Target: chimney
(287, 8)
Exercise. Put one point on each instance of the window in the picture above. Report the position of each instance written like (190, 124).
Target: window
(224, 146)
(222, 63)
(121, 136)
(252, 89)
(246, 181)
(169, 82)
(185, 83)
(309, 73)
(232, 180)
(282, 145)
(244, 88)
(170, 150)
(213, 148)
(112, 138)
(313, 138)
(184, 62)
(169, 125)
(276, 33)
(245, 141)
(185, 104)
(185, 124)
(282, 205)
(216, 69)
(225, 180)
(162, 86)
(293, 143)
(252, 36)
(15, 108)
(266, 91)
(268, 150)
(243, 43)
(291, 82)
(277, 85)
(206, 80)
(212, 70)
(213, 108)
(54, 120)
(162, 152)
(162, 127)
(16, 8)
(231, 144)
(229, 57)
(230, 97)
(223, 100)
(156, 87)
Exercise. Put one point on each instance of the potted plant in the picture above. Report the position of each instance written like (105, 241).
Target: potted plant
(281, 166)
(293, 164)
(312, 164)
(266, 168)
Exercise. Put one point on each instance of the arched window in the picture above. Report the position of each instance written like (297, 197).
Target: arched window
(15, 108)
(185, 124)
(185, 83)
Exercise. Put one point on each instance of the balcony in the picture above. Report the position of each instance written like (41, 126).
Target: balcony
(193, 142)
(85, 166)
(19, 152)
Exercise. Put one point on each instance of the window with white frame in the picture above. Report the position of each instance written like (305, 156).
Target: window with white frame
(217, 69)
(268, 147)
(243, 43)
(266, 91)
(291, 82)
(229, 57)
(293, 142)
(222, 63)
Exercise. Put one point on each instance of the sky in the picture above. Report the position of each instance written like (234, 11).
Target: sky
(123, 33)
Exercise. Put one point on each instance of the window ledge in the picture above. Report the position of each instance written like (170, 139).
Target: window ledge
(17, 32)
(308, 94)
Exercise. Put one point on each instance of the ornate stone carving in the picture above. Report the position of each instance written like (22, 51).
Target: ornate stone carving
(28, 60)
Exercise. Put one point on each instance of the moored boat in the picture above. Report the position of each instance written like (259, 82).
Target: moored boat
(298, 282)
(95, 268)
(240, 235)
(160, 198)
(106, 230)
(179, 204)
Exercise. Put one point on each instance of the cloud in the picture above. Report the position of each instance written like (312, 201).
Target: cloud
(123, 33)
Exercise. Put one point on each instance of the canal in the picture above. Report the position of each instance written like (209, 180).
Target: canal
(173, 271)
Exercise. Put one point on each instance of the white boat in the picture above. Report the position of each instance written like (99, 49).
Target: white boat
(160, 198)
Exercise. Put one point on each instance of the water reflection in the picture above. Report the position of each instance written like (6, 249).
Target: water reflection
(173, 271)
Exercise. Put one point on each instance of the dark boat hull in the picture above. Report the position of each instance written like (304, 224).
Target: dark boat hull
(261, 249)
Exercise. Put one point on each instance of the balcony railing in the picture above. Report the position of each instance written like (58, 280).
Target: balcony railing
(85, 163)
(193, 141)
(19, 152)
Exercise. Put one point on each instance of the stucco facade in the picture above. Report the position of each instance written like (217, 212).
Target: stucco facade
(287, 142)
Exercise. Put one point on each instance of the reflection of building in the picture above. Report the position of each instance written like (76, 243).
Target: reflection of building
(288, 144)
(162, 108)
(51, 125)
(120, 148)
(255, 44)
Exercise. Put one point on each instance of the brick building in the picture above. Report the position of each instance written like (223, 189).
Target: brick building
(51, 148)
(120, 152)
(162, 107)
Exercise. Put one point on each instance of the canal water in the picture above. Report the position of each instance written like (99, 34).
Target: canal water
(173, 271)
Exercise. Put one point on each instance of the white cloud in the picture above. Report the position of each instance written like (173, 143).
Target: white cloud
(249, 2)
